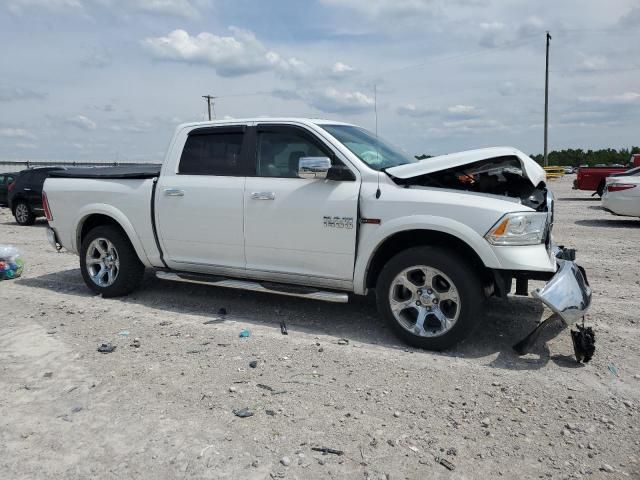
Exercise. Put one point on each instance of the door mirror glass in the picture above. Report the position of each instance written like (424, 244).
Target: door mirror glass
(313, 167)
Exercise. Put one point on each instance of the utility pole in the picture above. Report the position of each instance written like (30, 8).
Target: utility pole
(210, 101)
(546, 103)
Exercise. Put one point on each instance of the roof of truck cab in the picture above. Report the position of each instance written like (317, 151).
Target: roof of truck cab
(236, 121)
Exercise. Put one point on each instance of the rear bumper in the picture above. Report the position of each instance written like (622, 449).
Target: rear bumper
(568, 292)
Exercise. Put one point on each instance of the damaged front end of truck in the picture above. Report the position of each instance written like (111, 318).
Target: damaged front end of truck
(511, 175)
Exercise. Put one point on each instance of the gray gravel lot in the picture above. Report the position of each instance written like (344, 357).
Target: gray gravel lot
(165, 409)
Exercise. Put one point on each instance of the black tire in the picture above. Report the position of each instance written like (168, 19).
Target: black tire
(130, 271)
(600, 189)
(27, 217)
(465, 279)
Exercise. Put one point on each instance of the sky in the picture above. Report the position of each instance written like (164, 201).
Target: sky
(111, 79)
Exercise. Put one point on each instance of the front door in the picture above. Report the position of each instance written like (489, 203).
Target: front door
(200, 206)
(298, 226)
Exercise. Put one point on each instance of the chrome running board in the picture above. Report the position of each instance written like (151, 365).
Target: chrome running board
(266, 287)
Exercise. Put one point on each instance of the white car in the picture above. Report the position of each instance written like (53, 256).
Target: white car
(320, 209)
(622, 193)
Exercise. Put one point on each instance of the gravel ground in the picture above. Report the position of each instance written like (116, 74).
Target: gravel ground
(165, 409)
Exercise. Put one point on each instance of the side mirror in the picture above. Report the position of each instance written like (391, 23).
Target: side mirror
(313, 167)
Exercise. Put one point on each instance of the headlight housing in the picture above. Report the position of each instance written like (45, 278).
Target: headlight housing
(519, 228)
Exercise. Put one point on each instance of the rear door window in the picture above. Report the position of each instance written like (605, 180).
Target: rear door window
(213, 151)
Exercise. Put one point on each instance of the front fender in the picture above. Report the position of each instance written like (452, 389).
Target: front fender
(373, 236)
(119, 217)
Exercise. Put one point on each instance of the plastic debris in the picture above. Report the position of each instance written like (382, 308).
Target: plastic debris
(243, 413)
(136, 343)
(244, 333)
(613, 369)
(11, 262)
(445, 463)
(124, 333)
(584, 343)
(106, 348)
(326, 450)
(343, 341)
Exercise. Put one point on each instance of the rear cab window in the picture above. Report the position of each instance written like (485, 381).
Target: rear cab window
(214, 151)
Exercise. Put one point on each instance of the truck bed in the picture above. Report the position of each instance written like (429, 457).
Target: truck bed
(123, 172)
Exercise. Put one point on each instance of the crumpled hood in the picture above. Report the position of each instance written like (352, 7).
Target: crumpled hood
(534, 172)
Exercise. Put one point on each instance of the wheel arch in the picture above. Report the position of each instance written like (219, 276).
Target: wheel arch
(96, 218)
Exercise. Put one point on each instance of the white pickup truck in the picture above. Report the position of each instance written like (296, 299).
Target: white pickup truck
(320, 209)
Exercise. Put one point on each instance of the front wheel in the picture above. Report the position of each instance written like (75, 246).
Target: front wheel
(109, 264)
(431, 298)
(24, 215)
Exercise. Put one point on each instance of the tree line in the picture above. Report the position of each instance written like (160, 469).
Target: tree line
(576, 156)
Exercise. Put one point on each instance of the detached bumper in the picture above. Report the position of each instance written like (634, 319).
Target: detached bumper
(568, 292)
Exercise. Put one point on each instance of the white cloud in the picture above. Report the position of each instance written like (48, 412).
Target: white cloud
(8, 94)
(340, 68)
(461, 109)
(82, 122)
(506, 88)
(178, 8)
(239, 54)
(621, 99)
(335, 101)
(411, 110)
(386, 8)
(16, 133)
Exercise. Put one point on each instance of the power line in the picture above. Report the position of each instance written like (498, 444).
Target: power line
(210, 100)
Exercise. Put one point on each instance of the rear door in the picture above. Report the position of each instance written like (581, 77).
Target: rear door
(295, 226)
(199, 206)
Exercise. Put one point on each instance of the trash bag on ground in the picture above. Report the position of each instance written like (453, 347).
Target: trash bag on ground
(11, 262)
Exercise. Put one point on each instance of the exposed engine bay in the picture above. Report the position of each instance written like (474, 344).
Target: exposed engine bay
(503, 176)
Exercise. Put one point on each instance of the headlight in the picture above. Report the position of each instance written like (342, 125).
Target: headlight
(519, 228)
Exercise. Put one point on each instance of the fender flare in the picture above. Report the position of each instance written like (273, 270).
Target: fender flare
(372, 242)
(116, 215)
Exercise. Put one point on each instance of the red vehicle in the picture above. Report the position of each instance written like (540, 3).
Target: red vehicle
(593, 178)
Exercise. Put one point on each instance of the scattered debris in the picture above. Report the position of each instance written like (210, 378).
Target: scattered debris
(485, 422)
(124, 333)
(244, 333)
(193, 351)
(326, 450)
(452, 452)
(243, 413)
(283, 328)
(233, 389)
(584, 343)
(253, 363)
(165, 323)
(343, 341)
(396, 414)
(136, 343)
(106, 348)
(613, 369)
(76, 409)
(11, 263)
(286, 461)
(48, 374)
(607, 468)
(445, 463)
(264, 387)
(271, 413)
(213, 320)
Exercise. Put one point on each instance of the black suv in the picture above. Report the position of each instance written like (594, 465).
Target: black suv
(5, 180)
(25, 195)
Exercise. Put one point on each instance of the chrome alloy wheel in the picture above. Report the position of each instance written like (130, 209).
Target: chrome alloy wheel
(424, 301)
(102, 262)
(22, 213)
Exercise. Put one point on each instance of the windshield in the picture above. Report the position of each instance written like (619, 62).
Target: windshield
(376, 153)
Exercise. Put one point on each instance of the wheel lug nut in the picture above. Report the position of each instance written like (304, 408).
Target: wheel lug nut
(429, 291)
(418, 303)
(435, 301)
(419, 292)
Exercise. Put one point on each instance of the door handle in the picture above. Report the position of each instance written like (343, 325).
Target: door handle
(27, 189)
(173, 192)
(263, 195)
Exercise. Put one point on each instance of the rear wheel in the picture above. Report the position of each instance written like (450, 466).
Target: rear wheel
(23, 214)
(431, 298)
(109, 264)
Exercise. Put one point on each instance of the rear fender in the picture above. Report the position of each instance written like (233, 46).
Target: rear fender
(120, 218)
